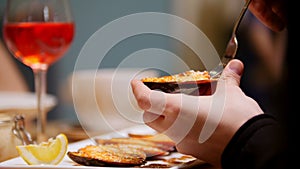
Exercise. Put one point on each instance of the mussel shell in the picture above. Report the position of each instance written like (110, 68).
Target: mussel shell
(195, 88)
(108, 155)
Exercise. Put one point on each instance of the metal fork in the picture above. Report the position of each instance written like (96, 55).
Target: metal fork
(232, 46)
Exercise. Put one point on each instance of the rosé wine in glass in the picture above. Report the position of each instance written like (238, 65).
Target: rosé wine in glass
(38, 33)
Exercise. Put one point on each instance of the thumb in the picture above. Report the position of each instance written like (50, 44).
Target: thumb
(232, 72)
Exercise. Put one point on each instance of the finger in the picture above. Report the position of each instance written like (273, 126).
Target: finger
(267, 16)
(149, 100)
(232, 72)
(280, 8)
(141, 93)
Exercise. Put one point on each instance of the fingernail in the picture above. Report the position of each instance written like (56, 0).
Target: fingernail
(236, 67)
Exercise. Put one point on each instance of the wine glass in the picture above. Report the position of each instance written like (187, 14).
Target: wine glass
(38, 33)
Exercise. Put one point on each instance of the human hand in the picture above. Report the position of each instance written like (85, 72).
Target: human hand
(201, 126)
(272, 13)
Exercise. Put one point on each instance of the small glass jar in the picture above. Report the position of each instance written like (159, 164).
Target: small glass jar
(12, 133)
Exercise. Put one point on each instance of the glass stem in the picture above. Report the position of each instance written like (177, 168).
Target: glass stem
(40, 89)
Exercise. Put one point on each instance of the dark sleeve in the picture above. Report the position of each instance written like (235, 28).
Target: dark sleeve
(258, 144)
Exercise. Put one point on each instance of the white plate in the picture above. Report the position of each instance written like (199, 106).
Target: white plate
(67, 163)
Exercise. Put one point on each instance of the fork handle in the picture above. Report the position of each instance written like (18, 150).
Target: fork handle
(237, 24)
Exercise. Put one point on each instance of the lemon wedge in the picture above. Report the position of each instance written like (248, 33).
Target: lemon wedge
(51, 152)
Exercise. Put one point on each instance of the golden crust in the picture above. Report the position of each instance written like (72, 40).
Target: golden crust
(160, 139)
(149, 150)
(129, 151)
(165, 146)
(111, 155)
(190, 75)
(152, 145)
